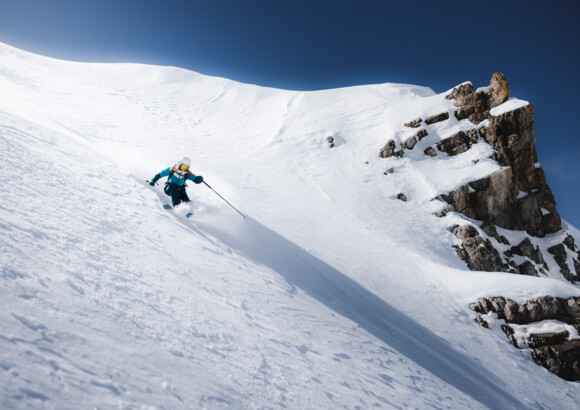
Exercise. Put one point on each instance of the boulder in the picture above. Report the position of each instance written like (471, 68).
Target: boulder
(389, 150)
(330, 142)
(527, 249)
(479, 254)
(500, 90)
(472, 105)
(432, 152)
(415, 123)
(462, 94)
(456, 144)
(437, 118)
(410, 143)
(569, 242)
(422, 134)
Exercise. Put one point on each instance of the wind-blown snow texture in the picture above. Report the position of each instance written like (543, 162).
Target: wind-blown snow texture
(332, 294)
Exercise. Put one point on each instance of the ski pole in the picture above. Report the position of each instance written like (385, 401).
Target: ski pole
(207, 185)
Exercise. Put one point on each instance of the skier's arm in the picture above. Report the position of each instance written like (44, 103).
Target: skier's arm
(198, 179)
(163, 173)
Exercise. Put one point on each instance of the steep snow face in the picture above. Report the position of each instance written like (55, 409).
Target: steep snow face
(333, 293)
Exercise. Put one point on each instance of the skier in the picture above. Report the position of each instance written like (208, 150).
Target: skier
(177, 176)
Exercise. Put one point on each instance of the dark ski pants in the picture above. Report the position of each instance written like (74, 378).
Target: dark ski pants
(177, 194)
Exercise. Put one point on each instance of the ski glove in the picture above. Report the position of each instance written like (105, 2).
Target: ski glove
(198, 179)
(155, 179)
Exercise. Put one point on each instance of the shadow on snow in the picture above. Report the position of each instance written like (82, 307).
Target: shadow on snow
(349, 299)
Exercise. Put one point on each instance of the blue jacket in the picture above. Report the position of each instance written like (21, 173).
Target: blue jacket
(178, 177)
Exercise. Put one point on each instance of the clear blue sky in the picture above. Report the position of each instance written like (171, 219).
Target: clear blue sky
(318, 44)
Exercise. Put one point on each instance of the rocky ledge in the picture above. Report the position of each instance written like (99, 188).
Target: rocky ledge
(558, 351)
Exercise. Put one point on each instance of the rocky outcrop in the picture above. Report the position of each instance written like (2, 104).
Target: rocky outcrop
(511, 134)
(416, 123)
(475, 104)
(390, 150)
(478, 253)
(557, 352)
(430, 151)
(536, 310)
(514, 202)
(437, 118)
(458, 143)
(525, 193)
(401, 196)
(516, 198)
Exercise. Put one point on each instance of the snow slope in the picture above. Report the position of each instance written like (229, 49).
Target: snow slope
(333, 293)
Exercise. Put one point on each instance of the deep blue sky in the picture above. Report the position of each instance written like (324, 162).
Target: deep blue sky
(319, 44)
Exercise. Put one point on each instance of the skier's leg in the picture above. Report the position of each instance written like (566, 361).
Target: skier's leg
(174, 192)
(183, 195)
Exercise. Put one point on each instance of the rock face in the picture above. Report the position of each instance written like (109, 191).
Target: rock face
(511, 134)
(557, 352)
(517, 197)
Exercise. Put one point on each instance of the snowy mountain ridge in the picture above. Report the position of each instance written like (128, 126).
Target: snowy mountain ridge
(334, 293)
